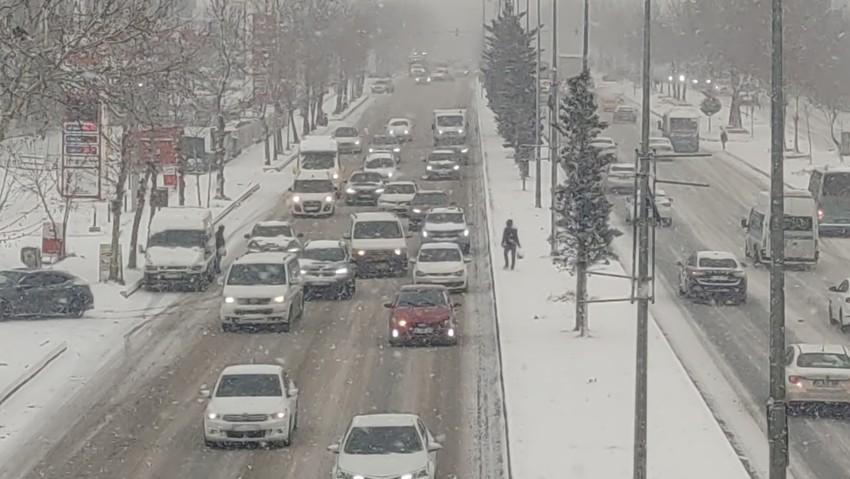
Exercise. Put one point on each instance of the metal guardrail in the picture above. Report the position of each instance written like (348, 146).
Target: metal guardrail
(137, 285)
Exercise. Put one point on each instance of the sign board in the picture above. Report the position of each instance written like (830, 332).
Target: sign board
(104, 258)
(51, 238)
(80, 149)
(81, 127)
(31, 257)
(169, 176)
(81, 163)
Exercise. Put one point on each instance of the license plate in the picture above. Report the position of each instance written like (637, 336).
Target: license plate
(423, 330)
(171, 275)
(246, 428)
(719, 278)
(827, 383)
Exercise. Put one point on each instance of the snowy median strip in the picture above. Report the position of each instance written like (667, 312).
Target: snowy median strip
(32, 372)
(556, 381)
(137, 285)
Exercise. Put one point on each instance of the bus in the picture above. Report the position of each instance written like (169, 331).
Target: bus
(831, 189)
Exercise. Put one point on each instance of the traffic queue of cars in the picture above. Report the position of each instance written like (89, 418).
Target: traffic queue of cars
(268, 286)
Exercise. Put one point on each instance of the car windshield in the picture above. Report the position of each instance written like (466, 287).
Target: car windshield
(430, 199)
(422, 298)
(256, 275)
(399, 123)
(382, 81)
(836, 185)
(382, 162)
(346, 131)
(318, 160)
(718, 263)
(366, 178)
(441, 255)
(384, 140)
(179, 239)
(450, 120)
(377, 229)
(10, 278)
(399, 189)
(324, 254)
(271, 231)
(441, 157)
(824, 360)
(798, 223)
(249, 385)
(312, 186)
(452, 218)
(383, 440)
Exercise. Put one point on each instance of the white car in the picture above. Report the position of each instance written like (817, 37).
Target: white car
(837, 297)
(603, 143)
(251, 403)
(661, 146)
(620, 179)
(663, 204)
(262, 289)
(443, 264)
(383, 163)
(817, 373)
(386, 446)
(397, 196)
(273, 235)
(401, 128)
(312, 195)
(348, 139)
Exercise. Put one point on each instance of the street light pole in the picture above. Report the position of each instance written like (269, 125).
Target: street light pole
(643, 285)
(554, 139)
(586, 39)
(538, 170)
(777, 420)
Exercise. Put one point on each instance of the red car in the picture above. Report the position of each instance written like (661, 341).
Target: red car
(422, 313)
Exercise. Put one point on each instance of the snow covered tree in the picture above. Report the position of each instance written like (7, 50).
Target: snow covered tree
(710, 106)
(580, 203)
(509, 66)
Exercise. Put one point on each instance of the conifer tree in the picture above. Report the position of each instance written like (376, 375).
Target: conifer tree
(580, 202)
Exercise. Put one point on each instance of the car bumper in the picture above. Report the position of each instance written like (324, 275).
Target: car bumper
(437, 334)
(797, 394)
(381, 263)
(246, 432)
(172, 277)
(300, 209)
(443, 174)
(349, 148)
(838, 229)
(362, 199)
(397, 208)
(706, 291)
(454, 283)
(240, 314)
(335, 281)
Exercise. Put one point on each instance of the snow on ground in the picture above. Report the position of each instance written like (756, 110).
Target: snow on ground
(752, 148)
(94, 340)
(570, 400)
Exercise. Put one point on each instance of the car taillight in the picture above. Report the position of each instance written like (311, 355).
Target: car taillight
(820, 214)
(795, 380)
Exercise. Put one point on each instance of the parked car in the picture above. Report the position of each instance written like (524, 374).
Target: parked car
(39, 293)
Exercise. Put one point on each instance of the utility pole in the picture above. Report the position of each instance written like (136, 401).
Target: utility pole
(586, 39)
(643, 284)
(777, 420)
(554, 140)
(538, 172)
(527, 17)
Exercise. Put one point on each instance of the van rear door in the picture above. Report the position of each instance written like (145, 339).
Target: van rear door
(800, 239)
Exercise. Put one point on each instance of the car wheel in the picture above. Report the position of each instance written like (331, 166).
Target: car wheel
(227, 328)
(76, 308)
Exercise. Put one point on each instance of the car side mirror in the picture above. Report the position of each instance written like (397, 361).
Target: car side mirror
(467, 260)
(333, 448)
(440, 438)
(456, 305)
(220, 281)
(289, 189)
(744, 223)
(833, 289)
(299, 235)
(388, 305)
(434, 446)
(679, 263)
(294, 392)
(206, 393)
(346, 236)
(247, 236)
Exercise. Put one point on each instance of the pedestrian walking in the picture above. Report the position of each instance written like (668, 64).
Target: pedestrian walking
(220, 249)
(510, 243)
(724, 137)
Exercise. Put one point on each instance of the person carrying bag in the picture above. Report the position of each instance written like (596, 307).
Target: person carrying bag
(510, 244)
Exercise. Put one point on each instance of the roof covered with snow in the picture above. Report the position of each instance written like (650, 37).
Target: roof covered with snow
(181, 218)
(270, 257)
(716, 255)
(253, 369)
(439, 246)
(821, 348)
(323, 244)
(377, 420)
(318, 143)
(274, 223)
(375, 216)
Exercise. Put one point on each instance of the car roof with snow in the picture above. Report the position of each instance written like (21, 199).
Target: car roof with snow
(443, 245)
(375, 216)
(626, 108)
(446, 209)
(382, 420)
(181, 218)
(323, 244)
(401, 183)
(443, 151)
(270, 257)
(380, 154)
(716, 255)
(318, 143)
(273, 223)
(252, 369)
(305, 175)
(822, 348)
(395, 120)
(622, 167)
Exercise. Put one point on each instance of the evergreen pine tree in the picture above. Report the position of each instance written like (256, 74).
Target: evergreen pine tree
(580, 202)
(509, 67)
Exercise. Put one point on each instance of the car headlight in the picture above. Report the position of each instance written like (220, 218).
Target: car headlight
(230, 300)
(466, 232)
(415, 475)
(424, 233)
(429, 168)
(345, 475)
(379, 191)
(280, 415)
(390, 174)
(440, 132)
(356, 142)
(397, 150)
(397, 251)
(458, 273)
(341, 271)
(296, 199)
(406, 132)
(361, 252)
(329, 199)
(371, 150)
(350, 191)
(464, 150)
(212, 415)
(460, 131)
(303, 272)
(292, 250)
(336, 176)
(456, 167)
(279, 299)
(417, 210)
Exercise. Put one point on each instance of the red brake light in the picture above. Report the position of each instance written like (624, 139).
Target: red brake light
(820, 214)
(794, 379)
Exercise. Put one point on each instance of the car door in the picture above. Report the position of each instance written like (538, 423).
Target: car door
(296, 288)
(34, 293)
(838, 293)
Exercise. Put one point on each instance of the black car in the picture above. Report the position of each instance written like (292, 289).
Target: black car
(364, 188)
(39, 293)
(327, 270)
(421, 203)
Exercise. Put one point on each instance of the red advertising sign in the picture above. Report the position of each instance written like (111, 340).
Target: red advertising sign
(51, 238)
(161, 145)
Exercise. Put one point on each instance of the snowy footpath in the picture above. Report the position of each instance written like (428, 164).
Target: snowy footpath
(44, 362)
(570, 400)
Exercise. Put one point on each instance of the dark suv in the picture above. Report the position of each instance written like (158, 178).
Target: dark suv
(421, 203)
(326, 267)
(364, 188)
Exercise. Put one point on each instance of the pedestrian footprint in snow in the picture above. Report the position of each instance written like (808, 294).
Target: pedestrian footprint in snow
(510, 242)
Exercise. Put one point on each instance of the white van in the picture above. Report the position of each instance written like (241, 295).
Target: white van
(317, 155)
(180, 249)
(801, 229)
(450, 126)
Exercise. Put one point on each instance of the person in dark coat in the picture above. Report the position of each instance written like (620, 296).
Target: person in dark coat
(724, 137)
(219, 248)
(510, 242)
